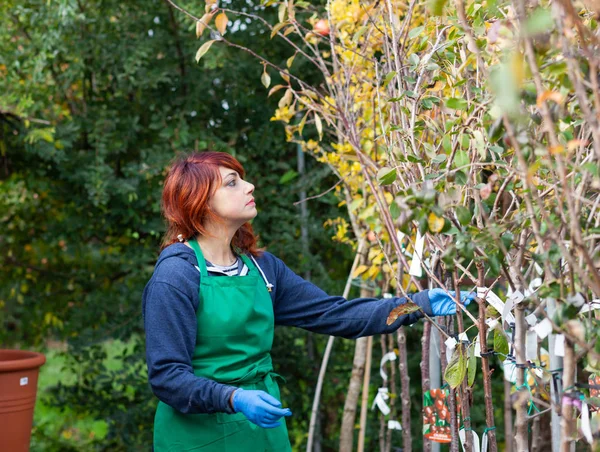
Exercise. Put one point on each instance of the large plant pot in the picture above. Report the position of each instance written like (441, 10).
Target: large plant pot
(18, 386)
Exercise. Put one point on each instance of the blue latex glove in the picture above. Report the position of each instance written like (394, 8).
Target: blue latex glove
(259, 407)
(442, 302)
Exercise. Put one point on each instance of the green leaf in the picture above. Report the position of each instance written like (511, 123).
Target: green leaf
(539, 22)
(403, 309)
(456, 369)
(440, 158)
(456, 103)
(463, 215)
(461, 159)
(359, 33)
(437, 7)
(460, 178)
(388, 78)
(386, 175)
(288, 176)
(500, 342)
(395, 210)
(415, 32)
(471, 366)
(203, 49)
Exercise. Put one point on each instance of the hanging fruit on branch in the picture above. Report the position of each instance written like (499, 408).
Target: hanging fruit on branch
(321, 27)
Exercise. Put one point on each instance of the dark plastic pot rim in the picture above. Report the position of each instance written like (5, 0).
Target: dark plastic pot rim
(16, 360)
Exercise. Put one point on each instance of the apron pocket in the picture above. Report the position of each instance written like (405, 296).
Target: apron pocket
(224, 418)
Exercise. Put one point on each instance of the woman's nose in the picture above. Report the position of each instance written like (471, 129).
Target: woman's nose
(250, 188)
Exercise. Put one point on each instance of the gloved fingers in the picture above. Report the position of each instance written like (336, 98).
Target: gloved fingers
(274, 411)
(268, 424)
(269, 399)
(270, 418)
(466, 297)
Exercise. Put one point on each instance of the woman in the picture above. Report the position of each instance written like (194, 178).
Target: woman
(211, 306)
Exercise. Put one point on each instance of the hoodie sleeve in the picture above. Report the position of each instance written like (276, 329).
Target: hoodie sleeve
(302, 304)
(170, 324)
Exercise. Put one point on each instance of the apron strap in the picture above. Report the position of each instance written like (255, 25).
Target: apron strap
(202, 262)
(199, 257)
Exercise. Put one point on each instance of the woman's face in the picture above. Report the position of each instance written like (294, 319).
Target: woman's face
(233, 200)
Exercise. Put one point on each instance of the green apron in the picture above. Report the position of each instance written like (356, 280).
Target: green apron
(234, 338)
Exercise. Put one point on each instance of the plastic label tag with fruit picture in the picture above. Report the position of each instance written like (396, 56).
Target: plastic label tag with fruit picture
(436, 416)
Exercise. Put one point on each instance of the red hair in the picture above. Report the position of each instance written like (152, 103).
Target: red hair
(190, 183)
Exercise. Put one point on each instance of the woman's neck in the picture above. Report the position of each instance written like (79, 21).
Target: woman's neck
(217, 249)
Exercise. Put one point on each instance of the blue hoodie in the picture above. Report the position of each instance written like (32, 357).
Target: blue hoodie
(169, 306)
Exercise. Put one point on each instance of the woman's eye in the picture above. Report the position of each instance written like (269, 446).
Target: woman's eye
(232, 183)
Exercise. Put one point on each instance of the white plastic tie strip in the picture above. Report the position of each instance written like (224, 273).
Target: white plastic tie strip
(380, 399)
(462, 434)
(391, 356)
(451, 344)
(495, 301)
(394, 425)
(594, 304)
(415, 264)
(586, 427)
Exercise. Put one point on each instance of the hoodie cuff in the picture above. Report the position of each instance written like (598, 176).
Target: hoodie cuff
(225, 397)
(421, 299)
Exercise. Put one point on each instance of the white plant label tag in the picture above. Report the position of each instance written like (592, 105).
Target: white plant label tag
(531, 346)
(531, 319)
(415, 265)
(24, 381)
(559, 345)
(543, 329)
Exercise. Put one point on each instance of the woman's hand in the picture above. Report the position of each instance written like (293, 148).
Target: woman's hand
(443, 303)
(259, 407)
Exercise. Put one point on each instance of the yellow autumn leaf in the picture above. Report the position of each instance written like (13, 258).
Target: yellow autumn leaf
(290, 60)
(203, 49)
(319, 126)
(359, 271)
(202, 23)
(221, 23)
(436, 224)
(265, 78)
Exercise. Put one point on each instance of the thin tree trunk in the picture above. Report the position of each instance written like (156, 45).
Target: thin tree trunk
(394, 389)
(568, 422)
(508, 418)
(521, 404)
(535, 435)
(452, 405)
(425, 383)
(382, 430)
(349, 417)
(464, 387)
(405, 381)
(328, 348)
(485, 366)
(364, 407)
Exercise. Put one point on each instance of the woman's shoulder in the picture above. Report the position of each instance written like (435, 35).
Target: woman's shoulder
(176, 262)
